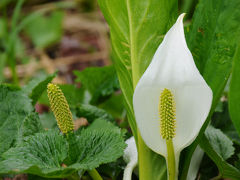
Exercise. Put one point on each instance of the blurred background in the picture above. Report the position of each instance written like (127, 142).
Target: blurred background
(42, 36)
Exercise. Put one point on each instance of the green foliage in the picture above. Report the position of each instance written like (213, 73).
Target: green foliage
(220, 142)
(221, 120)
(48, 120)
(135, 36)
(103, 124)
(14, 108)
(101, 82)
(226, 169)
(92, 112)
(45, 153)
(212, 39)
(114, 106)
(45, 30)
(234, 93)
(30, 125)
(136, 29)
(40, 154)
(37, 86)
(73, 94)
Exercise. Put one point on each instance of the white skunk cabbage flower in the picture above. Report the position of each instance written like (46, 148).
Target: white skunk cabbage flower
(171, 100)
(130, 156)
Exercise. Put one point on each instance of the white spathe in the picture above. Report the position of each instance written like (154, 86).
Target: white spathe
(172, 67)
(130, 156)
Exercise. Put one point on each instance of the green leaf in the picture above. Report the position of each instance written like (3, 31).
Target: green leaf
(45, 31)
(226, 170)
(43, 154)
(220, 142)
(37, 86)
(234, 95)
(212, 39)
(48, 120)
(30, 125)
(92, 112)
(104, 125)
(101, 82)
(137, 28)
(14, 108)
(221, 120)
(114, 106)
(96, 147)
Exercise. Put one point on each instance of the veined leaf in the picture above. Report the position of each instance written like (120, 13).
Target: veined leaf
(220, 142)
(101, 82)
(136, 30)
(92, 112)
(14, 107)
(234, 93)
(30, 125)
(137, 27)
(47, 154)
(35, 87)
(226, 170)
(213, 39)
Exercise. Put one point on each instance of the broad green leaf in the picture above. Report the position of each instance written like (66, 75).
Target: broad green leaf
(37, 86)
(137, 27)
(40, 154)
(48, 120)
(234, 93)
(221, 120)
(44, 154)
(104, 125)
(92, 112)
(220, 142)
(45, 31)
(73, 94)
(30, 125)
(136, 30)
(101, 82)
(97, 147)
(14, 108)
(114, 106)
(226, 169)
(213, 39)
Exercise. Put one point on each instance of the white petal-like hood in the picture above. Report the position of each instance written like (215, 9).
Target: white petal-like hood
(172, 67)
(130, 156)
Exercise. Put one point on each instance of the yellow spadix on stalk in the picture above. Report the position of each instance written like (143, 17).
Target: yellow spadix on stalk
(167, 114)
(60, 108)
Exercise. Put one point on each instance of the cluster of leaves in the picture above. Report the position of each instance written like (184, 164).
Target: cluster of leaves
(136, 30)
(27, 147)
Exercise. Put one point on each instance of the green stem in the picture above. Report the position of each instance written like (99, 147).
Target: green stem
(94, 174)
(143, 158)
(74, 176)
(217, 177)
(170, 160)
